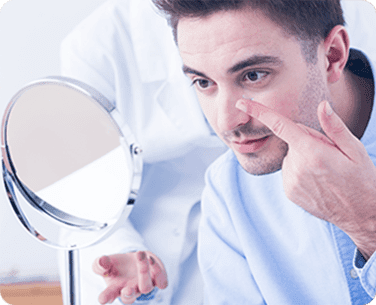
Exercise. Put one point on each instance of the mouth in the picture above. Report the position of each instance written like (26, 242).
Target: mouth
(250, 145)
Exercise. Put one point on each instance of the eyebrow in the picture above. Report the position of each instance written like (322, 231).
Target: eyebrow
(249, 62)
(253, 61)
(188, 70)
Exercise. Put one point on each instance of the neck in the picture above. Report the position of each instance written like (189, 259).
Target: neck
(353, 101)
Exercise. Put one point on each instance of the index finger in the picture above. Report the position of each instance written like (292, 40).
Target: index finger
(280, 125)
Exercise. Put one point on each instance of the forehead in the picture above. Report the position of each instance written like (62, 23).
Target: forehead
(238, 34)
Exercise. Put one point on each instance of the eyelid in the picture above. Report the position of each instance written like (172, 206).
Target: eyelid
(255, 71)
(194, 80)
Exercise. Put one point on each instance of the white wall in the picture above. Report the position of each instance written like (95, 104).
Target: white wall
(30, 34)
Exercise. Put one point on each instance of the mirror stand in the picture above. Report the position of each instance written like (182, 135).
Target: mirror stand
(73, 263)
(70, 171)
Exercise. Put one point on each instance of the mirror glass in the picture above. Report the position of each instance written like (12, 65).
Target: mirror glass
(68, 167)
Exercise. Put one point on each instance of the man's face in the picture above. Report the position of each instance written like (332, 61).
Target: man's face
(235, 54)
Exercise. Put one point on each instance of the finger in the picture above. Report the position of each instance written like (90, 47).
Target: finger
(316, 134)
(158, 273)
(102, 265)
(337, 130)
(145, 284)
(281, 126)
(109, 295)
(129, 294)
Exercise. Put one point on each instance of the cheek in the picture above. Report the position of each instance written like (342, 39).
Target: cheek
(283, 101)
(284, 94)
(209, 110)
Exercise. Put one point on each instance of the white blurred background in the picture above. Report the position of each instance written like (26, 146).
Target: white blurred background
(30, 35)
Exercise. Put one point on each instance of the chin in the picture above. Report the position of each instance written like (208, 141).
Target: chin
(262, 169)
(263, 163)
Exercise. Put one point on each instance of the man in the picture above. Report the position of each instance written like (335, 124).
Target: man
(288, 213)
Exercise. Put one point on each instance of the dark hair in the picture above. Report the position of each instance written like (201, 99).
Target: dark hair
(308, 20)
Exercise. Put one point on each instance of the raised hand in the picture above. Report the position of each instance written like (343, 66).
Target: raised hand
(331, 176)
(129, 275)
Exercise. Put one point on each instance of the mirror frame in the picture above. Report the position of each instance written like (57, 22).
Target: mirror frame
(12, 181)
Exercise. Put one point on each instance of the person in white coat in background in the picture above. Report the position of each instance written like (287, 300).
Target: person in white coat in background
(125, 50)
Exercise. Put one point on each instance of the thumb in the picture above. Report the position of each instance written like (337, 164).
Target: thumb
(102, 265)
(336, 130)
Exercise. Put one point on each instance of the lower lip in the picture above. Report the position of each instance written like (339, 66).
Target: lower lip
(251, 146)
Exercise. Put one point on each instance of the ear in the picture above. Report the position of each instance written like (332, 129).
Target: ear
(336, 45)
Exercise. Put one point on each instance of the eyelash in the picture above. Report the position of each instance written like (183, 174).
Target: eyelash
(195, 82)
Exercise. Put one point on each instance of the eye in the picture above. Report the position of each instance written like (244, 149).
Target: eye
(255, 76)
(202, 83)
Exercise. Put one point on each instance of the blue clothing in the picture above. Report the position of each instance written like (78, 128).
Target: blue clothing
(258, 247)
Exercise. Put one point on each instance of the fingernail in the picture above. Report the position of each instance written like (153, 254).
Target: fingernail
(104, 262)
(328, 109)
(241, 105)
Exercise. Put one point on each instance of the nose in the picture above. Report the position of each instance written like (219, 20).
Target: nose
(229, 117)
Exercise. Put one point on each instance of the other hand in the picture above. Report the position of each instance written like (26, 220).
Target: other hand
(129, 275)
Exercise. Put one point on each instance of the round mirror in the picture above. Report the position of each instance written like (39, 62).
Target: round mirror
(70, 167)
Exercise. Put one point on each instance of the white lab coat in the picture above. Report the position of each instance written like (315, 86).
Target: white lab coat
(126, 51)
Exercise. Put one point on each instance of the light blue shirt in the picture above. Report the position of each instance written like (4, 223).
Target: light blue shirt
(258, 247)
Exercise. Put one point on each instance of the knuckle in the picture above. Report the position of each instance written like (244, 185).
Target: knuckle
(156, 270)
(141, 256)
(278, 127)
(143, 269)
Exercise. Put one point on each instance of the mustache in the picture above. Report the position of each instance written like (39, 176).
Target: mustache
(246, 130)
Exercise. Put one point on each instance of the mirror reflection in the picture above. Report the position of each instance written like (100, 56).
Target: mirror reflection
(68, 158)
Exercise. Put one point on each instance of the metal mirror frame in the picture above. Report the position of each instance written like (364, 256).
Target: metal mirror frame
(12, 181)
(10, 175)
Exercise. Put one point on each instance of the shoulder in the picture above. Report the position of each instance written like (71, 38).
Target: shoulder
(228, 182)
(125, 32)
(102, 20)
(220, 195)
(222, 179)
